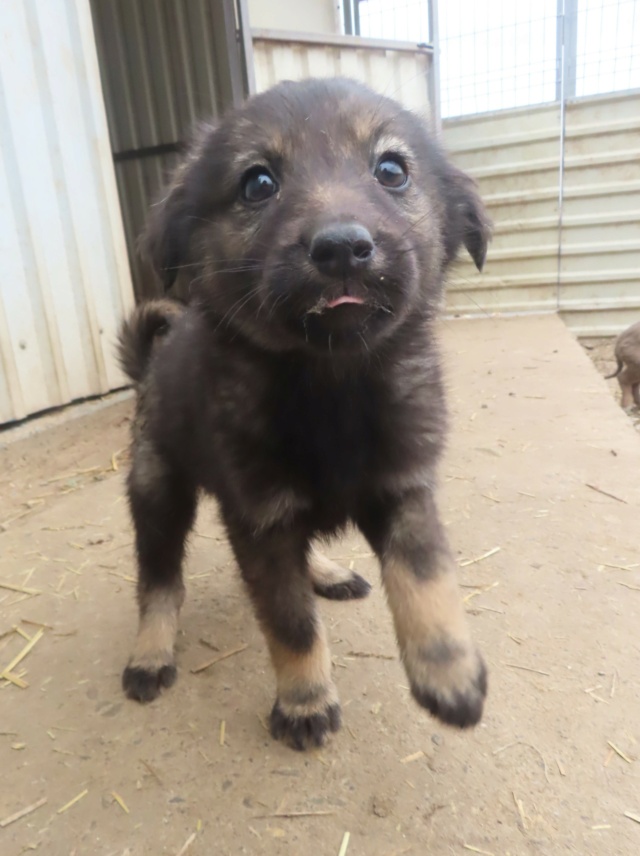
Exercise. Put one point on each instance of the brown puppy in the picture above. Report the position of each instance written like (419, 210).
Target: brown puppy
(301, 386)
(627, 354)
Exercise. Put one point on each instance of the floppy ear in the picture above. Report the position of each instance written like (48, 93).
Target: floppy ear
(165, 242)
(467, 220)
(171, 220)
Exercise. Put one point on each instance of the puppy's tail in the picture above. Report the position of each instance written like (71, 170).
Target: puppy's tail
(617, 371)
(141, 330)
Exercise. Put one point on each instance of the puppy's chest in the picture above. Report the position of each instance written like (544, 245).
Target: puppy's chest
(329, 438)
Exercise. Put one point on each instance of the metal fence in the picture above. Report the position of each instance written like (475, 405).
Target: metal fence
(499, 54)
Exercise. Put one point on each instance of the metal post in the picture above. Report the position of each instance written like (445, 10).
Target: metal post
(246, 46)
(570, 54)
(356, 17)
(347, 8)
(566, 48)
(434, 71)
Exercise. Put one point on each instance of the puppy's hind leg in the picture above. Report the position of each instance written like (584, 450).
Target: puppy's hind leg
(445, 670)
(626, 379)
(274, 567)
(163, 507)
(334, 582)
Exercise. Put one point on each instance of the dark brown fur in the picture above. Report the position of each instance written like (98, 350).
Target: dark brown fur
(299, 416)
(139, 334)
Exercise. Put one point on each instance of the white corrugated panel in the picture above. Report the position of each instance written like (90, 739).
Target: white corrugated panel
(65, 282)
(600, 263)
(394, 68)
(586, 265)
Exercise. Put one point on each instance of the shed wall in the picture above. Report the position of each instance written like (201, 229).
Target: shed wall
(566, 209)
(66, 280)
(398, 69)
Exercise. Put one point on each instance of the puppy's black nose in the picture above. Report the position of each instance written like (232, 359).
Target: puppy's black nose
(341, 249)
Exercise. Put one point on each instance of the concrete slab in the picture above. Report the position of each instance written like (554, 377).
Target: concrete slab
(542, 464)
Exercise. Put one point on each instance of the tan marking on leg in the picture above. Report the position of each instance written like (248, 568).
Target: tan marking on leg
(157, 630)
(303, 680)
(326, 572)
(431, 626)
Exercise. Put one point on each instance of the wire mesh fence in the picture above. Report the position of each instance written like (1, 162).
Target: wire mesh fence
(498, 54)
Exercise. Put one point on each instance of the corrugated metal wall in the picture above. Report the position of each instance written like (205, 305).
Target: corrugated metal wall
(398, 69)
(600, 262)
(165, 64)
(567, 233)
(65, 281)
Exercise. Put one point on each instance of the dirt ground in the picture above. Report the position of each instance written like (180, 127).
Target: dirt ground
(600, 352)
(541, 495)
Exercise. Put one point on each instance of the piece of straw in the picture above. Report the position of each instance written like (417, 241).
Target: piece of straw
(414, 757)
(153, 771)
(120, 802)
(187, 844)
(480, 558)
(72, 802)
(527, 669)
(14, 679)
(291, 814)
(345, 844)
(22, 813)
(21, 589)
(619, 752)
(19, 657)
(218, 658)
(605, 493)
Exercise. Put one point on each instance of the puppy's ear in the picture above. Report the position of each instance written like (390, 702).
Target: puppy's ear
(165, 242)
(467, 221)
(172, 219)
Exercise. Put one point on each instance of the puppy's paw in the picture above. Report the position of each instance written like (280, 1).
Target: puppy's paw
(449, 679)
(304, 729)
(353, 588)
(144, 684)
(334, 582)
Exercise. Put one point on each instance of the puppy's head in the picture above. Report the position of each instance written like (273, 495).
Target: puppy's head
(320, 216)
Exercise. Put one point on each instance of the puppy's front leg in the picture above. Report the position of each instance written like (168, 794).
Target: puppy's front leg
(445, 670)
(275, 569)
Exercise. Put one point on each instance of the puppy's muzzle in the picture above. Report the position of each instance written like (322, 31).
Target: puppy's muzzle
(342, 250)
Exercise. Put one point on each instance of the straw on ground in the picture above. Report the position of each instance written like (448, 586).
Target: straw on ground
(23, 812)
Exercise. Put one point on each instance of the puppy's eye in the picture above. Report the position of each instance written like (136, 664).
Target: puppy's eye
(391, 172)
(258, 184)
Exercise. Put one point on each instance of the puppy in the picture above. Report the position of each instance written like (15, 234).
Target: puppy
(302, 387)
(627, 354)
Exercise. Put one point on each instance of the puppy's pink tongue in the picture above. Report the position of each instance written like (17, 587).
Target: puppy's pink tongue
(346, 298)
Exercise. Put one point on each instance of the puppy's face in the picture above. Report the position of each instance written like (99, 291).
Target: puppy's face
(318, 216)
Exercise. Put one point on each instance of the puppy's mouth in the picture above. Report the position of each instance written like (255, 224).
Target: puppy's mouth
(346, 298)
(325, 304)
(337, 321)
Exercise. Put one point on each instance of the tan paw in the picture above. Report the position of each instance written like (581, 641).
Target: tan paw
(449, 679)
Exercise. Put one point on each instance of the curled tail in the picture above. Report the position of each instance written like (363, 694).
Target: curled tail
(617, 371)
(140, 331)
